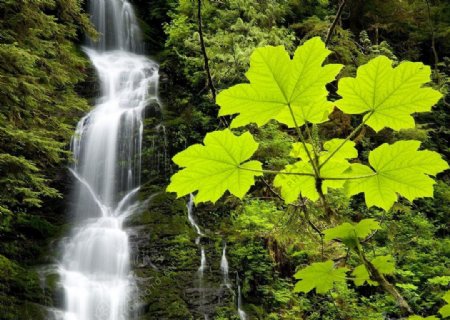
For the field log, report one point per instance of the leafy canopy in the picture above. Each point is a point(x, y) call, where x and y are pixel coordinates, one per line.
point(320, 276)
point(280, 86)
point(388, 96)
point(218, 165)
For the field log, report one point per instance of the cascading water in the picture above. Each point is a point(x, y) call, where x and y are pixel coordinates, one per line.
point(202, 268)
point(241, 312)
point(190, 210)
point(224, 267)
point(107, 150)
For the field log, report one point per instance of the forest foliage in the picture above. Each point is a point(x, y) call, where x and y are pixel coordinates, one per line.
point(41, 72)
point(293, 93)
point(370, 41)
point(40, 67)
point(279, 241)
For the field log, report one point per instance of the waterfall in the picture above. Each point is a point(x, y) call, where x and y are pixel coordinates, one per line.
point(241, 312)
point(107, 144)
point(202, 267)
point(224, 267)
point(190, 210)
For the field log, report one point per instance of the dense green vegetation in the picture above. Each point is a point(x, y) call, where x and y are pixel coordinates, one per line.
point(45, 85)
point(41, 68)
point(413, 30)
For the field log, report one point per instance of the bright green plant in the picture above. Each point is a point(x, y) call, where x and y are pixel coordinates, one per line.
point(445, 310)
point(293, 92)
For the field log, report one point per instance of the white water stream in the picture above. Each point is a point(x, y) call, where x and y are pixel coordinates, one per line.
point(224, 267)
point(241, 312)
point(107, 150)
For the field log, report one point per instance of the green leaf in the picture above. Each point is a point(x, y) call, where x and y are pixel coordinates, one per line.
point(350, 233)
point(400, 169)
point(445, 310)
point(218, 165)
point(388, 95)
point(416, 317)
point(347, 151)
point(361, 275)
point(440, 280)
point(293, 185)
point(407, 286)
point(278, 83)
point(384, 264)
point(319, 275)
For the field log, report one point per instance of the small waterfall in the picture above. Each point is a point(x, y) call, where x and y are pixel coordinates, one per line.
point(107, 147)
point(241, 312)
point(190, 210)
point(202, 267)
point(224, 267)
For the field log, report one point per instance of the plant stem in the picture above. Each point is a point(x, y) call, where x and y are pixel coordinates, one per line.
point(377, 276)
point(303, 141)
point(314, 165)
point(350, 136)
point(351, 178)
point(279, 172)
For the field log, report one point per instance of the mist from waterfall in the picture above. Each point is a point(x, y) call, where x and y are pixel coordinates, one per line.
point(107, 146)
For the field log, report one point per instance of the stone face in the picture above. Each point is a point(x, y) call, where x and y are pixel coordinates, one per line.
point(166, 261)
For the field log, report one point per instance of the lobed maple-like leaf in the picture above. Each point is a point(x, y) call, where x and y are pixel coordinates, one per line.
point(217, 166)
point(319, 275)
point(398, 169)
point(279, 85)
point(388, 96)
point(293, 185)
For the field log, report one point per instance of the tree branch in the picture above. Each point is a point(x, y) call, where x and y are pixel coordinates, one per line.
point(333, 25)
point(377, 276)
point(205, 55)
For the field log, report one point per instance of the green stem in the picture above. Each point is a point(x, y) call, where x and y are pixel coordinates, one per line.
point(303, 141)
point(350, 136)
point(351, 178)
point(316, 169)
point(313, 143)
point(377, 276)
point(279, 172)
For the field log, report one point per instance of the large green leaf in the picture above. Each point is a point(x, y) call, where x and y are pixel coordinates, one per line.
point(388, 95)
point(278, 83)
point(319, 275)
point(218, 165)
point(399, 168)
point(293, 185)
